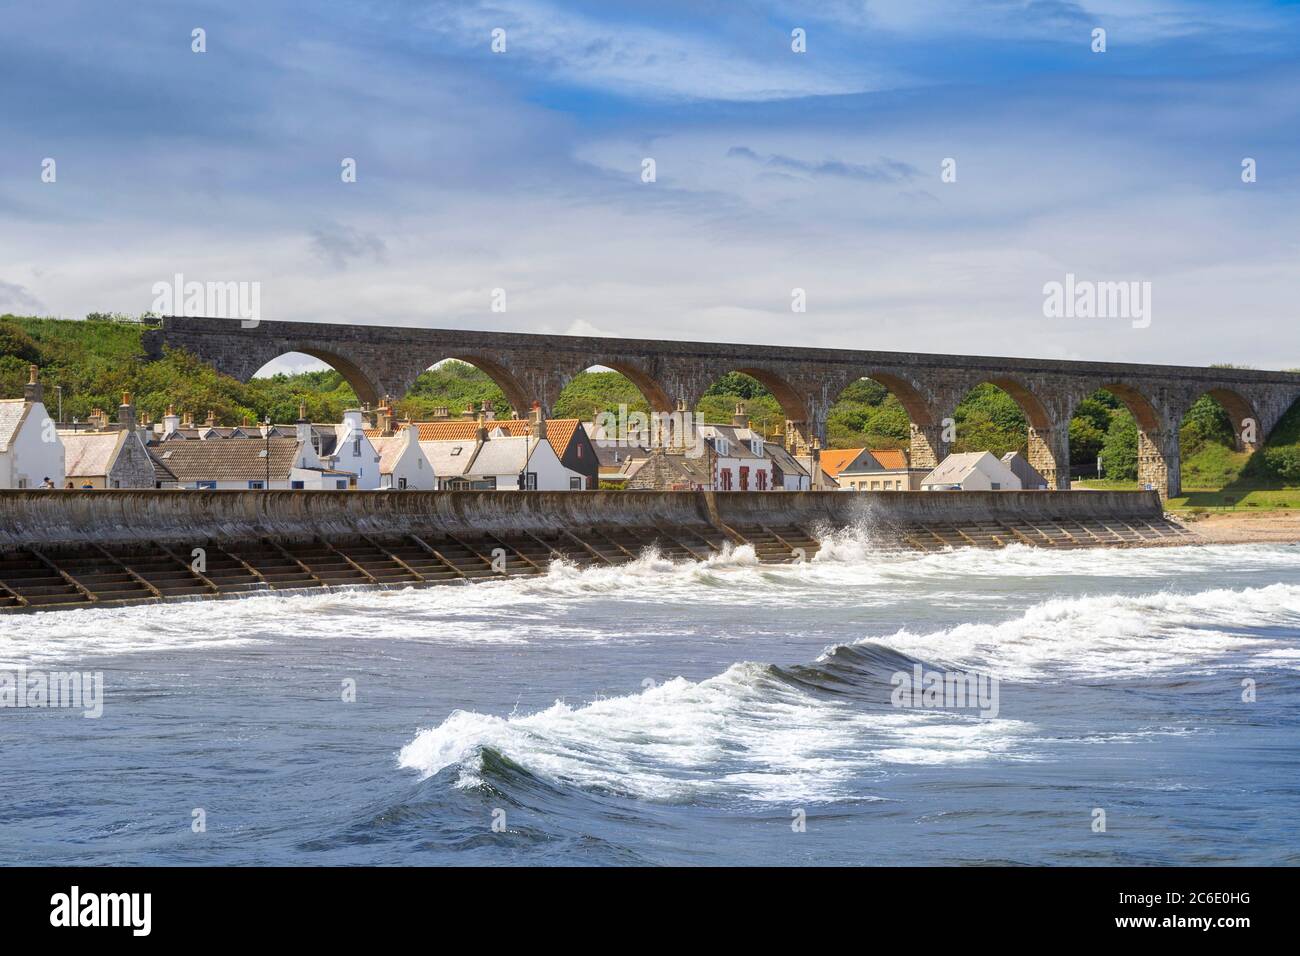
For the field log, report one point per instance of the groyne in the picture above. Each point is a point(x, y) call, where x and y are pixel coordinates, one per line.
point(79, 548)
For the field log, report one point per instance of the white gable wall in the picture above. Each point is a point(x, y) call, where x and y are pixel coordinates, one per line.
point(30, 459)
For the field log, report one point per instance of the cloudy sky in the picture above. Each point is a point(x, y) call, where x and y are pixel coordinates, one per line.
point(775, 170)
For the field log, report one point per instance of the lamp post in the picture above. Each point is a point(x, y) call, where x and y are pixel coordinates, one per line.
point(266, 437)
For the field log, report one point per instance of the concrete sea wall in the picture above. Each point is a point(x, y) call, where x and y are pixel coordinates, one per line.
point(35, 518)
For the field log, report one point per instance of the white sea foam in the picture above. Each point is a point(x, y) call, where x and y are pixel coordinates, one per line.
point(1103, 634)
point(1116, 636)
point(741, 735)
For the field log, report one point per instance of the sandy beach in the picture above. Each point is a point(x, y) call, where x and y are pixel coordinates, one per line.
point(1242, 527)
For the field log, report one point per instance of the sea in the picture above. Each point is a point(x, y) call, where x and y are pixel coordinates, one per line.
point(1126, 707)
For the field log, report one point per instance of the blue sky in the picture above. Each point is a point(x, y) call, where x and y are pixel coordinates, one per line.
point(775, 170)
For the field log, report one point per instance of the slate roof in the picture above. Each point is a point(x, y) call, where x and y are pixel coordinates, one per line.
point(446, 460)
point(87, 454)
point(231, 459)
point(503, 456)
point(12, 413)
point(390, 451)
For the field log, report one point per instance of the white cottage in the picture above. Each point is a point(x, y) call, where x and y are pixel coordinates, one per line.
point(403, 465)
point(31, 451)
point(971, 471)
point(495, 461)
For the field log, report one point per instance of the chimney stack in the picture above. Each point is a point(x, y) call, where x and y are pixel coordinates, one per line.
point(481, 432)
point(35, 391)
point(470, 413)
point(303, 427)
point(126, 412)
point(489, 412)
point(211, 420)
point(441, 413)
point(740, 419)
point(171, 421)
point(538, 421)
point(384, 419)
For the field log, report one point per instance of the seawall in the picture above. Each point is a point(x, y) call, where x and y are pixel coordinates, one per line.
point(48, 518)
point(67, 549)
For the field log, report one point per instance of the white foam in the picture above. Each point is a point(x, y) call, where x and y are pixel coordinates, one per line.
point(1113, 635)
point(743, 735)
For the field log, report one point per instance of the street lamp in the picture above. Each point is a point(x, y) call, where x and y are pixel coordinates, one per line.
point(266, 437)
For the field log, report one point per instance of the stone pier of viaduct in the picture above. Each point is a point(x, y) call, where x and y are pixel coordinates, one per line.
point(381, 361)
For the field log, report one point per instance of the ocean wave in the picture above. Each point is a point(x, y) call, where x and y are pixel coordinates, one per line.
point(1119, 636)
point(751, 733)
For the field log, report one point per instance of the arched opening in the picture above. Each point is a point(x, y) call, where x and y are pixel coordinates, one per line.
point(325, 385)
point(1006, 419)
point(454, 389)
point(611, 389)
point(718, 405)
point(883, 415)
point(1216, 438)
point(773, 408)
point(1116, 442)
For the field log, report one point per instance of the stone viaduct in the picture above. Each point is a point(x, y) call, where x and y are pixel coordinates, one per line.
point(381, 361)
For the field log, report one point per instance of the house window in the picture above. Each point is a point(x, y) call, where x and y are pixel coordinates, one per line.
point(744, 478)
point(530, 481)
point(722, 446)
point(575, 484)
point(356, 448)
point(996, 486)
point(401, 483)
point(116, 483)
point(761, 478)
point(579, 451)
point(256, 486)
point(206, 485)
point(296, 485)
point(341, 484)
point(724, 479)
point(22, 482)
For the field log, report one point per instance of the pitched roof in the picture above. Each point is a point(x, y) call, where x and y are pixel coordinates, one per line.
point(835, 460)
point(390, 449)
point(449, 458)
point(1030, 477)
point(231, 459)
point(891, 459)
point(954, 469)
point(87, 454)
point(503, 456)
point(559, 431)
point(12, 413)
point(782, 459)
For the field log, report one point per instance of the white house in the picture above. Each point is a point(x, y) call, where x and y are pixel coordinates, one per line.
point(353, 452)
point(30, 448)
point(971, 471)
point(497, 461)
point(403, 464)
